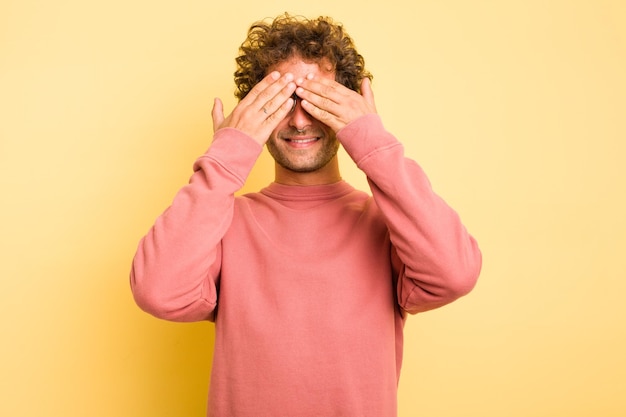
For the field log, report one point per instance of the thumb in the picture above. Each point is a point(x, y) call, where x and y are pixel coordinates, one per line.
point(217, 114)
point(368, 93)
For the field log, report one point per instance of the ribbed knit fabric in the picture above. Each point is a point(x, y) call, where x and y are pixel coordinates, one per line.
point(308, 286)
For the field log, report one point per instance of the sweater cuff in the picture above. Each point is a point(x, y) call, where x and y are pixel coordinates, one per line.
point(233, 150)
point(364, 137)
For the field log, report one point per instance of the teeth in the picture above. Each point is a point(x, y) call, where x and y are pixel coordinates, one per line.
point(303, 140)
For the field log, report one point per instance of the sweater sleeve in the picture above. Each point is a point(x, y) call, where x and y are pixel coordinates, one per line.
point(175, 271)
point(436, 258)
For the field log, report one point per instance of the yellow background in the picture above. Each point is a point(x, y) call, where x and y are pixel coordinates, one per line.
point(516, 109)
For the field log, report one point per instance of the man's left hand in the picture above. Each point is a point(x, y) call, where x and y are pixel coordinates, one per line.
point(334, 104)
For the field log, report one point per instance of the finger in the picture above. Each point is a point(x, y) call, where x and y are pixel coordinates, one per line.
point(324, 88)
point(261, 86)
point(322, 115)
point(321, 106)
point(274, 95)
point(217, 114)
point(262, 131)
point(329, 96)
point(281, 112)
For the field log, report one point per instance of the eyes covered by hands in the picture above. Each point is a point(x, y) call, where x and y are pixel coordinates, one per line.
point(332, 103)
point(274, 97)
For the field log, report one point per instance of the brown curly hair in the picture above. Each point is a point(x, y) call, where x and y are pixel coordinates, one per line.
point(271, 42)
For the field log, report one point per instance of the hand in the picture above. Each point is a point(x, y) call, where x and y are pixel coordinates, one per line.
point(263, 108)
point(334, 104)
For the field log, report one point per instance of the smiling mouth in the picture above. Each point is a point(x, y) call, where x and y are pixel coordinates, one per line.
point(301, 141)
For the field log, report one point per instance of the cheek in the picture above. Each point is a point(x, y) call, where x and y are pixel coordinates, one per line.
point(329, 132)
point(281, 126)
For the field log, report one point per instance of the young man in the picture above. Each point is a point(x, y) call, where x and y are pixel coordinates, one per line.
point(308, 281)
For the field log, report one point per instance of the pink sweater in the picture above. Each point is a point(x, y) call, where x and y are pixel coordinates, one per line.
point(308, 286)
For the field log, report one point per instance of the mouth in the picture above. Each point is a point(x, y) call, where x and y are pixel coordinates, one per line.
point(301, 142)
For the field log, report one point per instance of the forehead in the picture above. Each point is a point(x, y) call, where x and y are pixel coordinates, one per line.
point(301, 68)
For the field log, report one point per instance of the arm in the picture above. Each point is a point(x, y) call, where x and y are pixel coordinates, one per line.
point(437, 260)
point(177, 264)
point(176, 269)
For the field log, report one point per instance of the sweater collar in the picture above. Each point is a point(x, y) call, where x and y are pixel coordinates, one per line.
point(307, 193)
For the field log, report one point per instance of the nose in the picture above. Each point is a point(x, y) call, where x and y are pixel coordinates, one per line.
point(298, 117)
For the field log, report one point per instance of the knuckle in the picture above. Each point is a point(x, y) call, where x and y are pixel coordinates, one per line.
point(321, 114)
point(327, 89)
point(263, 94)
point(326, 102)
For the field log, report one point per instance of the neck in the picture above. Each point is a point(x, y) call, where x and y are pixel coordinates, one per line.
point(329, 174)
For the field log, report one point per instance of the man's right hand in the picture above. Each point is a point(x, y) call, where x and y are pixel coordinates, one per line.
point(263, 108)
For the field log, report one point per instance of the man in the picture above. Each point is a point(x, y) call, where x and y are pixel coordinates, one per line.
point(308, 281)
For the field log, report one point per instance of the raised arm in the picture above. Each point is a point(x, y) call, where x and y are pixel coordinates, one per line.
point(176, 269)
point(436, 258)
point(177, 264)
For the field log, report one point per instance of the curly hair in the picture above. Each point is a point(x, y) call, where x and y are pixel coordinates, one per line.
point(271, 42)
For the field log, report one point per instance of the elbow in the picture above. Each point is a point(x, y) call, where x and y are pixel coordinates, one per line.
point(463, 276)
point(166, 308)
point(163, 302)
point(443, 285)
point(152, 302)
point(460, 284)
point(462, 268)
